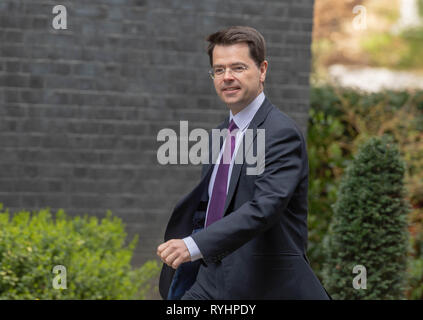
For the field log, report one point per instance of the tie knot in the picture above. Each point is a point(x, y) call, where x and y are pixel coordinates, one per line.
point(232, 126)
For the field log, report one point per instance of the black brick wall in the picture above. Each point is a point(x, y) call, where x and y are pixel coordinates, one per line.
point(80, 108)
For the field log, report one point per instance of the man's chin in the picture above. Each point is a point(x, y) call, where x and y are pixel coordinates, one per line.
point(231, 100)
point(235, 107)
point(231, 103)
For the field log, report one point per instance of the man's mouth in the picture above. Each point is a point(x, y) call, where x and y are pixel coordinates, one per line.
point(231, 89)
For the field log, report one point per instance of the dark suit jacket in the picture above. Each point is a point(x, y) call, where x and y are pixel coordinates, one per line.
point(262, 238)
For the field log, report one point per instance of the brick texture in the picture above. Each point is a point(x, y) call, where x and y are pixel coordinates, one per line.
point(80, 108)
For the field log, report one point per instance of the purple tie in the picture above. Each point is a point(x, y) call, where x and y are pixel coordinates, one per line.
point(218, 198)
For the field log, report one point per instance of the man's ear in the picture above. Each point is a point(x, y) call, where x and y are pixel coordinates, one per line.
point(263, 69)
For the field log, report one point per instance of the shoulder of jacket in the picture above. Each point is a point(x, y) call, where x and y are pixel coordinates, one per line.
point(279, 121)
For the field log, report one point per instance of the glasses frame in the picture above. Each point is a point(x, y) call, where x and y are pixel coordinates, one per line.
point(213, 76)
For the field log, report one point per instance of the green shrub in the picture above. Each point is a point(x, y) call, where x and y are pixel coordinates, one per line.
point(369, 226)
point(326, 161)
point(340, 120)
point(96, 259)
point(415, 272)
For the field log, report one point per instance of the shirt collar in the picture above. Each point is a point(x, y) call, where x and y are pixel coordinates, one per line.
point(244, 117)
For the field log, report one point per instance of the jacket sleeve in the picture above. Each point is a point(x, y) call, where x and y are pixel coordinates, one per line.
point(273, 190)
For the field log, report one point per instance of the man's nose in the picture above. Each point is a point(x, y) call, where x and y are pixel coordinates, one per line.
point(228, 75)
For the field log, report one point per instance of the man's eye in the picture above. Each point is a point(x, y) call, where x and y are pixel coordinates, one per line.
point(238, 69)
point(219, 70)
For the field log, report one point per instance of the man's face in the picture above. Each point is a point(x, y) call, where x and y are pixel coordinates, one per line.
point(237, 90)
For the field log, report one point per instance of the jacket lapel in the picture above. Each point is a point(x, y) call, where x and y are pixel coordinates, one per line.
point(257, 120)
point(236, 169)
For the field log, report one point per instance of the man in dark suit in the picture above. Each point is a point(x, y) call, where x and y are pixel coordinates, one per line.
point(239, 235)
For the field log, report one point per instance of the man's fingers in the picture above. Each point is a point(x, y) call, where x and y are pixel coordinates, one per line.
point(175, 264)
point(173, 253)
point(161, 247)
point(182, 257)
point(170, 254)
point(171, 258)
point(166, 251)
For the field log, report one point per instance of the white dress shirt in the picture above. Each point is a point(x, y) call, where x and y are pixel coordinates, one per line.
point(242, 119)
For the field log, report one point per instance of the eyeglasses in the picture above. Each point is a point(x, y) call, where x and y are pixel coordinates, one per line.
point(217, 72)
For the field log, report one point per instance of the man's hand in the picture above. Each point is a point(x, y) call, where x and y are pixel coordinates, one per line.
point(173, 252)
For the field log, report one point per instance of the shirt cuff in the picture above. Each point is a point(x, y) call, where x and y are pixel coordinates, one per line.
point(193, 249)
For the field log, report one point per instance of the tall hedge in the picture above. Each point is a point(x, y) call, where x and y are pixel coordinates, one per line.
point(369, 226)
point(93, 252)
point(340, 119)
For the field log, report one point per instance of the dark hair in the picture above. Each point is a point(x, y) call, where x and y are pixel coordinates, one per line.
point(237, 34)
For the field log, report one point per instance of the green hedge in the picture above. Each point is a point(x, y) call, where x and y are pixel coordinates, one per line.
point(339, 121)
point(369, 226)
point(94, 253)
